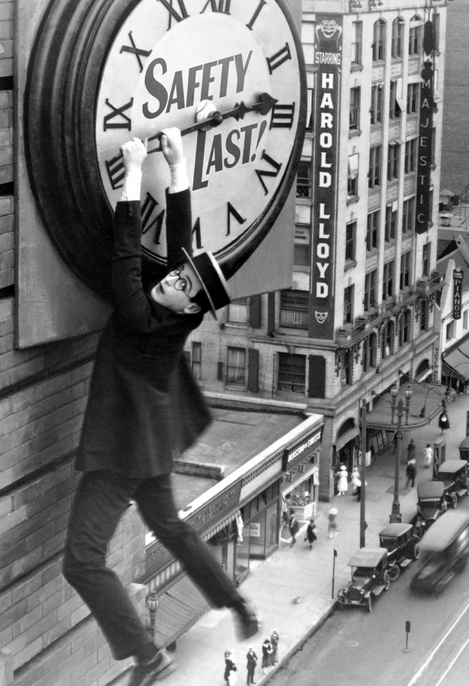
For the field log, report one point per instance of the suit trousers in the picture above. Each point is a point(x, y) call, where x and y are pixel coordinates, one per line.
point(101, 499)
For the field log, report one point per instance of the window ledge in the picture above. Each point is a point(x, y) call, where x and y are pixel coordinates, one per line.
point(356, 67)
point(352, 198)
point(352, 133)
point(350, 264)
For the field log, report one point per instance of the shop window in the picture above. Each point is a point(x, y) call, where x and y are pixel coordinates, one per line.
point(374, 173)
point(303, 180)
point(238, 311)
point(236, 367)
point(291, 372)
point(196, 360)
point(378, 46)
point(354, 112)
point(294, 309)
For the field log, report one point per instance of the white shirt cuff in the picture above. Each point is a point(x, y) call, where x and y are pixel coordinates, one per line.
point(132, 186)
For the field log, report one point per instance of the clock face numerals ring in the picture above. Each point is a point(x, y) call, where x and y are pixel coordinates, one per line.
point(103, 71)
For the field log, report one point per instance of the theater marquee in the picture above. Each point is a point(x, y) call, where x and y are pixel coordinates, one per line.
point(328, 59)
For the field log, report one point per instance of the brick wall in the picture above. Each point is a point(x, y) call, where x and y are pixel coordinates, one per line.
point(46, 634)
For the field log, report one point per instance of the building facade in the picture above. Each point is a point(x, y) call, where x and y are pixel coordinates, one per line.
point(359, 315)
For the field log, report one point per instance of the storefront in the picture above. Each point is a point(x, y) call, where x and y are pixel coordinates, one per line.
point(300, 481)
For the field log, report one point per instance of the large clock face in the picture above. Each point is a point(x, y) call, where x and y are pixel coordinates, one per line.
point(132, 68)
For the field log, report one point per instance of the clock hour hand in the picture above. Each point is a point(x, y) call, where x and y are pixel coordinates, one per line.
point(263, 106)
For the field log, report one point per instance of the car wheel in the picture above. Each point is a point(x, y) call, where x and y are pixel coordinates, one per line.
point(387, 582)
point(454, 500)
point(416, 551)
point(394, 572)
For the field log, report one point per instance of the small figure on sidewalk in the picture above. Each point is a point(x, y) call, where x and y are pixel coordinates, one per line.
point(444, 421)
point(411, 450)
point(251, 658)
point(230, 675)
point(293, 526)
point(332, 525)
point(266, 655)
point(311, 532)
point(411, 472)
point(428, 455)
point(342, 486)
point(355, 481)
point(274, 639)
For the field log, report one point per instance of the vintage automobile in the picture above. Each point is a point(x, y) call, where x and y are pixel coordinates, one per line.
point(431, 502)
point(402, 543)
point(444, 553)
point(369, 577)
point(454, 475)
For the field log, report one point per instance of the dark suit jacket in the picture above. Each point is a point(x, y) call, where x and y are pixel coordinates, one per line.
point(144, 407)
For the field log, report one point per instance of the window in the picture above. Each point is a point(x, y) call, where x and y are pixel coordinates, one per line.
point(348, 305)
point(196, 361)
point(387, 340)
point(393, 161)
point(414, 35)
point(388, 280)
point(302, 246)
point(413, 90)
point(352, 179)
point(236, 367)
point(310, 115)
point(347, 368)
point(374, 174)
point(408, 209)
point(410, 159)
point(369, 352)
point(372, 229)
point(238, 311)
point(397, 36)
point(303, 181)
point(354, 115)
point(404, 331)
point(350, 238)
point(369, 299)
point(465, 319)
point(436, 32)
point(357, 43)
point(395, 95)
point(423, 315)
point(426, 259)
point(294, 309)
point(378, 46)
point(404, 276)
point(376, 109)
point(390, 222)
point(291, 373)
point(450, 330)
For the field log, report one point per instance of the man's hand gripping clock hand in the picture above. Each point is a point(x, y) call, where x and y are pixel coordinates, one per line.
point(134, 153)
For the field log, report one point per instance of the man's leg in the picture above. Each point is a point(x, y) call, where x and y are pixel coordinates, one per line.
point(155, 500)
point(100, 501)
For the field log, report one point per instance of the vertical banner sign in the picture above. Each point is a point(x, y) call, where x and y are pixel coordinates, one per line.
point(425, 142)
point(328, 59)
point(457, 289)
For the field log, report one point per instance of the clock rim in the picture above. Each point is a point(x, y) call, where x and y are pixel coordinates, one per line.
point(63, 77)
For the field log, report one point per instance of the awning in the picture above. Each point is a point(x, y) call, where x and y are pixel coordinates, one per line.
point(179, 609)
point(458, 360)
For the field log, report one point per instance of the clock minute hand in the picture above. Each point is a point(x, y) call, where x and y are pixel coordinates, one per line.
point(263, 106)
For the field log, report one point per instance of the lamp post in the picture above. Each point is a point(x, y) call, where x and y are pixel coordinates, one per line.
point(395, 515)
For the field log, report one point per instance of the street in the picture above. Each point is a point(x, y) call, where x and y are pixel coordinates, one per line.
point(360, 648)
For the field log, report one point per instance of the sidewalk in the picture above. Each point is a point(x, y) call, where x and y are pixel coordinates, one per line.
point(292, 589)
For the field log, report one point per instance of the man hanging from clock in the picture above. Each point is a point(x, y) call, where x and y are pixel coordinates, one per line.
point(144, 409)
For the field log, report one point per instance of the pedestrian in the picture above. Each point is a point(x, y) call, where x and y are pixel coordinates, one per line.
point(428, 455)
point(274, 639)
point(411, 450)
point(293, 526)
point(144, 409)
point(411, 472)
point(444, 421)
point(230, 675)
point(266, 655)
point(332, 523)
point(311, 533)
point(342, 485)
point(355, 480)
point(251, 658)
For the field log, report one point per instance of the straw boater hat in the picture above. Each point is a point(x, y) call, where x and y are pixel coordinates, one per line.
point(212, 279)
